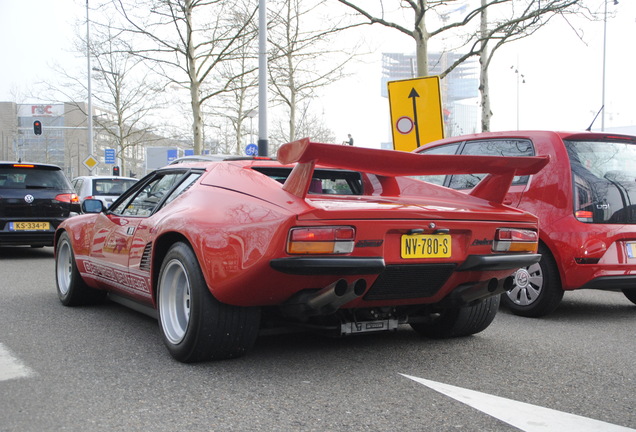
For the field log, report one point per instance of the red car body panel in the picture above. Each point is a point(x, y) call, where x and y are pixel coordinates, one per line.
point(238, 221)
point(587, 255)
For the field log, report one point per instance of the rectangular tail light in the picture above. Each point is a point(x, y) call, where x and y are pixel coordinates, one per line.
point(515, 240)
point(69, 198)
point(321, 240)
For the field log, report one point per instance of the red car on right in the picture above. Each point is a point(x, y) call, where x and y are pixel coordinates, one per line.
point(586, 202)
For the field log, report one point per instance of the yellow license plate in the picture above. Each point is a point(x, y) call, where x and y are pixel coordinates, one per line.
point(426, 246)
point(29, 226)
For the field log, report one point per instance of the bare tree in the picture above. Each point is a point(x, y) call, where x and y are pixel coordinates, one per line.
point(514, 23)
point(308, 125)
point(124, 92)
point(239, 102)
point(187, 40)
point(515, 20)
point(303, 56)
point(237, 105)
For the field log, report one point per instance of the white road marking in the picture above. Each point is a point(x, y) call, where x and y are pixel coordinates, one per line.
point(526, 417)
point(11, 367)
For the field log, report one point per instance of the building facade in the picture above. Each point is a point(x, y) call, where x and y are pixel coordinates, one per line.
point(64, 139)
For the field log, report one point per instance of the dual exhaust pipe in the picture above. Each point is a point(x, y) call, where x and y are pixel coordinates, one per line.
point(468, 293)
point(327, 300)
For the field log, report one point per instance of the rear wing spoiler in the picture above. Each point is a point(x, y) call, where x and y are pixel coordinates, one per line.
point(389, 164)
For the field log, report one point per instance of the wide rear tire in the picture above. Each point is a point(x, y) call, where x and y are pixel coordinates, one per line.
point(194, 325)
point(630, 294)
point(460, 321)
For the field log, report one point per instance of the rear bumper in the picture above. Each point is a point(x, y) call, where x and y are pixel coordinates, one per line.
point(34, 238)
point(345, 266)
point(339, 266)
point(498, 262)
point(27, 238)
point(612, 283)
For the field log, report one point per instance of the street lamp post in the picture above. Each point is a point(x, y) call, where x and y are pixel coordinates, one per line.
point(90, 103)
point(262, 78)
point(604, 57)
point(521, 77)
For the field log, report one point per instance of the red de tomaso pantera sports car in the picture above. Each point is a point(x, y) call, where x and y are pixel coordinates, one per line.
point(330, 237)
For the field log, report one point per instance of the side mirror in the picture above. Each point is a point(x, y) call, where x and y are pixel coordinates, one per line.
point(93, 206)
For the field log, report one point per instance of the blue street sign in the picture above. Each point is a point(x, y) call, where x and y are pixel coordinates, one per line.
point(188, 152)
point(109, 156)
point(172, 154)
point(251, 149)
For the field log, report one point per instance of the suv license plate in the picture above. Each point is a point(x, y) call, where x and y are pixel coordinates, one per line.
point(29, 226)
point(426, 246)
point(631, 249)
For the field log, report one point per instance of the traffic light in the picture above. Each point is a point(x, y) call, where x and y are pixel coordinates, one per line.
point(115, 170)
point(37, 127)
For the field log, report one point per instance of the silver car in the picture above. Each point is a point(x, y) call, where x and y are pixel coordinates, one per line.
point(104, 188)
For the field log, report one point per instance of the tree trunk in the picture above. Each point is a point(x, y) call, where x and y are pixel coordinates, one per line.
point(195, 85)
point(120, 128)
point(484, 91)
point(421, 43)
point(292, 99)
point(197, 121)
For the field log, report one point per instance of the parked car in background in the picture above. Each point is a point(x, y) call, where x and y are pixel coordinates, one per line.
point(34, 200)
point(213, 157)
point(586, 202)
point(328, 238)
point(104, 188)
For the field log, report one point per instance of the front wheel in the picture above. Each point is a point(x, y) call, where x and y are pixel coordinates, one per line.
point(71, 288)
point(194, 325)
point(537, 288)
point(460, 321)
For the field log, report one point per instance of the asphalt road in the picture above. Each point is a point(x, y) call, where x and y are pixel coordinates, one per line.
point(104, 368)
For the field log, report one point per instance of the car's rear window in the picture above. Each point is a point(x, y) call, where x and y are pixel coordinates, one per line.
point(32, 178)
point(603, 174)
point(324, 181)
point(490, 147)
point(495, 147)
point(111, 186)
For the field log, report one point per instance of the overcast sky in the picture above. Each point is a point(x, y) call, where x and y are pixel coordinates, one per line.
point(562, 89)
point(33, 35)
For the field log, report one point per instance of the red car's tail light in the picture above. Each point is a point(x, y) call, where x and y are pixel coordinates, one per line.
point(321, 240)
point(515, 240)
point(582, 200)
point(69, 198)
point(584, 215)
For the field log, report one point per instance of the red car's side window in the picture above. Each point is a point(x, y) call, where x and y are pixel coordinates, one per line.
point(146, 200)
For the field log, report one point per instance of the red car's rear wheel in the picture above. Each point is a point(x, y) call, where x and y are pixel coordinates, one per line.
point(537, 289)
point(460, 321)
point(195, 326)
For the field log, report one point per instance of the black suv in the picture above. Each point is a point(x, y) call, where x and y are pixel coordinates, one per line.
point(34, 199)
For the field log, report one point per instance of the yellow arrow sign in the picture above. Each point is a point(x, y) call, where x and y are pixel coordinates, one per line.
point(416, 112)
